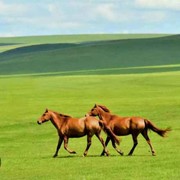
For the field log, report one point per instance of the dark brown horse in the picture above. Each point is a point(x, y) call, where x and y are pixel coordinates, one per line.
point(69, 127)
point(122, 126)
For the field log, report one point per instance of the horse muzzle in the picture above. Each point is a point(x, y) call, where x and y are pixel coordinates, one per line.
point(39, 122)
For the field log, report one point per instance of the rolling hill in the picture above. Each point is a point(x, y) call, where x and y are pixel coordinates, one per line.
point(90, 54)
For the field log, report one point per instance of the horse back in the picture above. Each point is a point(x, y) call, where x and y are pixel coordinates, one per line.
point(125, 125)
point(120, 125)
point(74, 127)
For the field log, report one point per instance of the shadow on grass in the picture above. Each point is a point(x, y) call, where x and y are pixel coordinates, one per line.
point(77, 156)
point(95, 156)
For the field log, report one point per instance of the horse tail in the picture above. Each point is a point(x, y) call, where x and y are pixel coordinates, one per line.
point(109, 132)
point(161, 132)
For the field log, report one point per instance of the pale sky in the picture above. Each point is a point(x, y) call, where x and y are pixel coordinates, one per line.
point(50, 17)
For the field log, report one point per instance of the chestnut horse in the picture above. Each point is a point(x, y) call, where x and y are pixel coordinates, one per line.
point(69, 127)
point(122, 126)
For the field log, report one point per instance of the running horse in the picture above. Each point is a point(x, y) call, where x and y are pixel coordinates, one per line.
point(69, 127)
point(122, 126)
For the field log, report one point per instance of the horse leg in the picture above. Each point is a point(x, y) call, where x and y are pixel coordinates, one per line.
point(118, 150)
point(88, 144)
point(105, 151)
point(58, 147)
point(134, 136)
point(66, 146)
point(145, 135)
point(106, 143)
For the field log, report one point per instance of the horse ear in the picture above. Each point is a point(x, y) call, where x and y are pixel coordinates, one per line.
point(95, 105)
point(46, 110)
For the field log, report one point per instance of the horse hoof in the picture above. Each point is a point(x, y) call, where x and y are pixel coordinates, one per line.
point(104, 153)
point(121, 153)
point(55, 156)
point(73, 152)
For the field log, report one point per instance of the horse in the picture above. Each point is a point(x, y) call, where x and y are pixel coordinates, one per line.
point(122, 126)
point(69, 127)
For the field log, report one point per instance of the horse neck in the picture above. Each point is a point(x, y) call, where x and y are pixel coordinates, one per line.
point(56, 120)
point(105, 116)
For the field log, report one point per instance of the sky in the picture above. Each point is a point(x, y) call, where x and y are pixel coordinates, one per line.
point(51, 17)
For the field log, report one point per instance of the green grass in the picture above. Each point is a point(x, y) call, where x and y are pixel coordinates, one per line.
point(18, 42)
point(133, 75)
point(65, 57)
point(26, 148)
point(4, 41)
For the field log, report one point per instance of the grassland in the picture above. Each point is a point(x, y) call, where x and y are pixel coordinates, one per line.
point(96, 55)
point(147, 89)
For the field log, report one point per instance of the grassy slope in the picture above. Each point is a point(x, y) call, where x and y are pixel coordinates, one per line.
point(68, 57)
point(26, 148)
point(72, 38)
point(16, 42)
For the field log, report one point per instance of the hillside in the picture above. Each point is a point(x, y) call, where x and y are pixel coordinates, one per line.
point(82, 56)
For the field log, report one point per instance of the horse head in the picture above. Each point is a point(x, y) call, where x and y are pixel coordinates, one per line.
point(94, 111)
point(46, 116)
point(97, 109)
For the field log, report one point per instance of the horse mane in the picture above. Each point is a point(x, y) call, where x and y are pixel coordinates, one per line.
point(62, 115)
point(104, 108)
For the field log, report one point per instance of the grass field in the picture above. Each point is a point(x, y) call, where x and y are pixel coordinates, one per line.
point(95, 55)
point(146, 89)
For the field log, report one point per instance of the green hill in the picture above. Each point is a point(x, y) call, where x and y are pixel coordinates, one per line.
point(85, 55)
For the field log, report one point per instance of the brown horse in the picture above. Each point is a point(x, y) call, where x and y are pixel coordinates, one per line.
point(122, 126)
point(69, 127)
